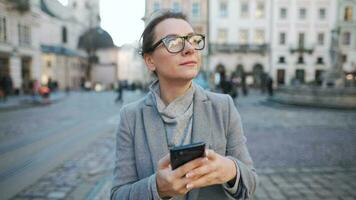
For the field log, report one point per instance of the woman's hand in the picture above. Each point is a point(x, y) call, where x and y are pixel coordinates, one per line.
point(216, 169)
point(170, 182)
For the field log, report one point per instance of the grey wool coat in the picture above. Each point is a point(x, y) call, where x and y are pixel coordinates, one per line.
point(142, 142)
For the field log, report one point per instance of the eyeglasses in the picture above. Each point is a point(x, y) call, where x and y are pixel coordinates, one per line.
point(175, 43)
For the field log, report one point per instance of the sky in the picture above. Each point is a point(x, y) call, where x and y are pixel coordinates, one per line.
point(121, 19)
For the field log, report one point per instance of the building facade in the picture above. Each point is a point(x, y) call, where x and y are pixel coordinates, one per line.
point(239, 38)
point(347, 30)
point(301, 40)
point(19, 44)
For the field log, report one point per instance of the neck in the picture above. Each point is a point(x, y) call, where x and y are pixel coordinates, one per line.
point(170, 91)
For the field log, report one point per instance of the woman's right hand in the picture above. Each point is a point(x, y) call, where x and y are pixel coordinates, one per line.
point(172, 183)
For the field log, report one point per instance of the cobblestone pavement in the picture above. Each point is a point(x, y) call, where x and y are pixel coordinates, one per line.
point(299, 153)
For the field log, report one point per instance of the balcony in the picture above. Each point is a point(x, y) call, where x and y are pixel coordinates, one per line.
point(238, 48)
point(301, 49)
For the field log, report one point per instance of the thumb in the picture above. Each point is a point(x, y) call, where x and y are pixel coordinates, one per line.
point(164, 162)
point(210, 154)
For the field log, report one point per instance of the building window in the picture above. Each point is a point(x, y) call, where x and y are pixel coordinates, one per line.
point(346, 38)
point(24, 34)
point(223, 9)
point(260, 10)
point(320, 38)
point(302, 13)
point(64, 35)
point(301, 38)
point(156, 6)
point(243, 36)
point(196, 9)
point(344, 58)
point(222, 36)
point(282, 38)
point(299, 75)
point(322, 13)
point(348, 13)
point(3, 35)
point(300, 60)
point(281, 59)
point(176, 7)
point(280, 76)
point(283, 13)
point(259, 36)
point(319, 76)
point(244, 9)
point(320, 60)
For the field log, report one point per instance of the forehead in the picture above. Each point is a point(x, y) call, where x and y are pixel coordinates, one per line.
point(173, 26)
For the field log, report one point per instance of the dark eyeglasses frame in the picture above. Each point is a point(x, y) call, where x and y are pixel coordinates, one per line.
point(185, 38)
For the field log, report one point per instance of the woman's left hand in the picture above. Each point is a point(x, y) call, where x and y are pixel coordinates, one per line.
point(216, 169)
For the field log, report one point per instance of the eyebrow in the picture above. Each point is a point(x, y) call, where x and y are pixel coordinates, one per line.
point(173, 34)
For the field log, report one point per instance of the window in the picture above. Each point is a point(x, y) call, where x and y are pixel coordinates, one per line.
point(280, 76)
point(346, 38)
point(156, 6)
point(24, 33)
point(244, 9)
point(176, 7)
point(281, 59)
point(299, 75)
point(222, 36)
point(300, 60)
point(223, 9)
point(302, 13)
point(348, 13)
point(319, 76)
point(320, 60)
point(283, 13)
point(320, 38)
point(282, 38)
point(3, 35)
point(322, 13)
point(64, 34)
point(259, 37)
point(243, 36)
point(196, 9)
point(260, 10)
point(344, 58)
point(301, 38)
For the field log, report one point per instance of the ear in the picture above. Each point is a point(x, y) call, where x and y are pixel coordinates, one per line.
point(149, 62)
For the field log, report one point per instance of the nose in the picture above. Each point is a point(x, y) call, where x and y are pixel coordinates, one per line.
point(188, 48)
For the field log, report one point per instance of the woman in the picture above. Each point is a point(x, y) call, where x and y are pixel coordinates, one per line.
point(176, 112)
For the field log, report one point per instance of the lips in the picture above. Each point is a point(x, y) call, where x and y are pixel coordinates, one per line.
point(189, 63)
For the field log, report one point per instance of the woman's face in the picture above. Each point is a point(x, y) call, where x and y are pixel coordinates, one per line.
point(181, 66)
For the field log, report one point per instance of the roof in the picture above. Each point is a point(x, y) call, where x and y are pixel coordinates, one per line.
point(95, 38)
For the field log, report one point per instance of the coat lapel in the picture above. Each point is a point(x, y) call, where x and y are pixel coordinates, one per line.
point(202, 131)
point(155, 132)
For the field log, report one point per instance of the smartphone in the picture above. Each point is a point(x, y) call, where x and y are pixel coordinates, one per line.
point(185, 153)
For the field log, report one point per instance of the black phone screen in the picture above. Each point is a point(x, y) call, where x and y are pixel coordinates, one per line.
point(185, 153)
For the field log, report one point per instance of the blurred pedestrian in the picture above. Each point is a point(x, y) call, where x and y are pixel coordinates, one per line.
point(177, 111)
point(119, 91)
point(6, 86)
point(244, 85)
point(269, 82)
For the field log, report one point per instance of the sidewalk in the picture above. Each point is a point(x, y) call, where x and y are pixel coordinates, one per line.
point(26, 101)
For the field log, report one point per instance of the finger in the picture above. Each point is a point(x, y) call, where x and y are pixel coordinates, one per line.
point(210, 154)
point(206, 180)
point(182, 170)
point(206, 168)
point(164, 162)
